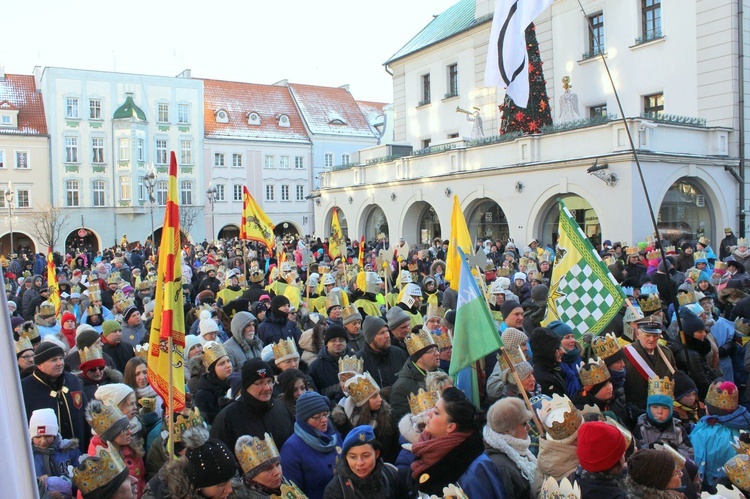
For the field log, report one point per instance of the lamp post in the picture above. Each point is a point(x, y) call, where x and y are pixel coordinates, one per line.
point(211, 196)
point(150, 182)
point(9, 197)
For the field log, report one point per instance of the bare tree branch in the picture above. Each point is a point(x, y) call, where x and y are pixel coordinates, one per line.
point(47, 223)
point(189, 215)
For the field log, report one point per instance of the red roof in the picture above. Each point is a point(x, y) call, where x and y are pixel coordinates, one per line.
point(240, 99)
point(330, 110)
point(19, 91)
point(373, 111)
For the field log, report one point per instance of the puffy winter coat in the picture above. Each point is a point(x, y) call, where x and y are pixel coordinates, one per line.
point(409, 381)
point(273, 329)
point(383, 366)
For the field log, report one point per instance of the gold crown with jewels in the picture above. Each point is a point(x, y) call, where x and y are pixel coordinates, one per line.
point(605, 346)
point(285, 349)
point(442, 339)
point(422, 401)
point(290, 491)
point(650, 303)
point(419, 340)
point(101, 417)
point(97, 471)
point(361, 387)
point(30, 331)
point(593, 372)
point(349, 363)
point(661, 386)
point(726, 399)
point(253, 452)
point(738, 471)
point(90, 353)
point(560, 418)
point(212, 353)
point(185, 421)
point(23, 344)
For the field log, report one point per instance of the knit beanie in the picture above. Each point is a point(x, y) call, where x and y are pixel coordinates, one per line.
point(509, 306)
point(86, 336)
point(652, 468)
point(523, 369)
point(208, 326)
point(113, 393)
point(560, 328)
point(507, 413)
point(396, 316)
point(16, 321)
point(110, 326)
point(544, 343)
point(335, 331)
point(513, 338)
point(277, 302)
point(210, 462)
point(539, 293)
point(309, 404)
point(190, 341)
point(450, 318)
point(371, 326)
point(67, 316)
point(683, 385)
point(253, 370)
point(600, 446)
point(128, 312)
point(47, 350)
point(43, 422)
point(691, 323)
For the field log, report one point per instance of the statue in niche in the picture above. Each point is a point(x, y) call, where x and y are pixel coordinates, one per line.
point(568, 102)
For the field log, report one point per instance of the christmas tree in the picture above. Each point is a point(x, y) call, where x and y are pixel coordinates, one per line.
point(537, 113)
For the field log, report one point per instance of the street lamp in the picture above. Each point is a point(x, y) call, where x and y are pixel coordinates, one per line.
point(9, 197)
point(211, 196)
point(150, 182)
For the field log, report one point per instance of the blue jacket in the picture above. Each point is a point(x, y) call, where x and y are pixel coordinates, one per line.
point(66, 453)
point(712, 438)
point(273, 329)
point(481, 479)
point(310, 469)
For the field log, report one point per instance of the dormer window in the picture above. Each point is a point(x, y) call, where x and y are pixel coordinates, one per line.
point(284, 120)
point(335, 119)
point(253, 118)
point(222, 116)
point(5, 120)
point(8, 115)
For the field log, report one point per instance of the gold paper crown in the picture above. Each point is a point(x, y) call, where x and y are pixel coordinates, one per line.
point(738, 471)
point(90, 353)
point(47, 309)
point(605, 346)
point(348, 311)
point(516, 357)
point(434, 311)
point(349, 363)
point(101, 417)
point(422, 401)
point(98, 471)
point(593, 372)
point(670, 250)
point(361, 387)
point(720, 265)
point(23, 344)
point(442, 339)
point(93, 286)
point(284, 349)
point(452, 491)
point(523, 261)
point(95, 296)
point(608, 260)
point(653, 255)
point(722, 399)
point(650, 303)
point(693, 274)
point(141, 351)
point(503, 272)
point(546, 256)
point(114, 278)
point(118, 296)
point(698, 255)
point(253, 452)
point(185, 421)
point(333, 299)
point(125, 303)
point(632, 251)
point(413, 267)
point(704, 241)
point(93, 310)
point(290, 491)
point(564, 490)
point(560, 418)
point(661, 386)
point(212, 353)
point(419, 340)
point(687, 298)
point(256, 275)
point(741, 443)
point(30, 331)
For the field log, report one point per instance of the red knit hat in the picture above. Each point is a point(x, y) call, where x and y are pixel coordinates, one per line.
point(67, 316)
point(600, 446)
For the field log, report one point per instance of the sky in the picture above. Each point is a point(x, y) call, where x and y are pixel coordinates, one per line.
point(323, 42)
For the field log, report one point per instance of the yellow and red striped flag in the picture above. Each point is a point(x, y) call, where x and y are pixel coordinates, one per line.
point(54, 293)
point(169, 316)
point(336, 245)
point(255, 226)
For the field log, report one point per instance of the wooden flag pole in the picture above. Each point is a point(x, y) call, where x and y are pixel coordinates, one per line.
point(521, 389)
point(170, 403)
point(387, 278)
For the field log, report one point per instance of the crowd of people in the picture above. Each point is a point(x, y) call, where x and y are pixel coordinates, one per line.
point(322, 373)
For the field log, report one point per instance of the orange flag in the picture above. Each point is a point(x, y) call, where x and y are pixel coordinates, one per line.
point(54, 293)
point(169, 316)
point(256, 226)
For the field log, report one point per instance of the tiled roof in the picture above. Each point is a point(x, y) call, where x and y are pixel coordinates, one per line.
point(239, 99)
point(20, 92)
point(330, 110)
point(373, 111)
point(454, 20)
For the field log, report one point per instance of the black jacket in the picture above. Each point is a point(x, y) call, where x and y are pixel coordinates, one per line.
point(120, 354)
point(383, 366)
point(514, 483)
point(409, 381)
point(273, 329)
point(210, 391)
point(325, 373)
point(693, 361)
point(600, 484)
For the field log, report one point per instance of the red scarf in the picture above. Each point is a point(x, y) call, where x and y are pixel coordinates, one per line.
point(428, 450)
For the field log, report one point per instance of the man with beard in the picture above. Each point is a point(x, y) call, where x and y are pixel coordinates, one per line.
point(325, 369)
point(399, 324)
point(381, 359)
point(424, 358)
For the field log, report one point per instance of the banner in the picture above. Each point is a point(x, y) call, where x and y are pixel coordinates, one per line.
point(459, 238)
point(255, 226)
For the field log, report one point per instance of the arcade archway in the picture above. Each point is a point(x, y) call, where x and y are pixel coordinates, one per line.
point(82, 240)
point(229, 232)
point(376, 223)
point(581, 211)
point(22, 243)
point(342, 222)
point(184, 237)
point(421, 224)
point(487, 220)
point(685, 213)
point(286, 230)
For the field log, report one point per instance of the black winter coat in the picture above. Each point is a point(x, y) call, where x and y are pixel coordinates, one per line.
point(694, 363)
point(514, 483)
point(208, 394)
point(549, 377)
point(409, 381)
point(273, 329)
point(325, 373)
point(383, 366)
point(600, 484)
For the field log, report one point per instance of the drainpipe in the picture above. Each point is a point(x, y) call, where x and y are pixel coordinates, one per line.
point(741, 114)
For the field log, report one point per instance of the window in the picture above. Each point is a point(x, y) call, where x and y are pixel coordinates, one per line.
point(71, 149)
point(161, 151)
point(328, 160)
point(163, 112)
point(269, 193)
point(186, 191)
point(2, 197)
point(22, 160)
point(253, 119)
point(141, 189)
point(5, 120)
point(426, 143)
point(285, 193)
point(237, 192)
point(97, 187)
point(599, 110)
point(452, 135)
point(299, 162)
point(218, 159)
point(161, 192)
point(2, 159)
point(345, 159)
point(425, 90)
point(141, 153)
point(186, 152)
point(71, 193)
point(452, 81)
point(222, 116)
point(220, 192)
point(596, 35)
point(123, 146)
point(125, 188)
point(237, 160)
point(97, 149)
point(284, 162)
point(95, 109)
point(71, 107)
point(268, 162)
point(653, 105)
point(651, 22)
point(23, 199)
point(183, 113)
point(300, 193)
point(284, 120)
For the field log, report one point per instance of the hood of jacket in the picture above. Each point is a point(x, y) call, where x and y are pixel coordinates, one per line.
point(556, 459)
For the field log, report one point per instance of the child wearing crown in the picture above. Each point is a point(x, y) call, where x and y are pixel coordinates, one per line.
point(658, 423)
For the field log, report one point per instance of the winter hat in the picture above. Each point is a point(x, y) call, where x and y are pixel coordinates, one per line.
point(396, 316)
point(208, 326)
point(513, 338)
point(277, 302)
point(600, 446)
point(659, 399)
point(356, 316)
point(253, 370)
point(544, 343)
point(205, 296)
point(85, 336)
point(691, 323)
point(16, 321)
point(67, 316)
point(309, 404)
point(190, 341)
point(507, 413)
point(47, 350)
point(43, 422)
point(113, 393)
point(539, 293)
point(361, 435)
point(128, 312)
point(560, 328)
point(652, 468)
point(683, 385)
point(371, 326)
point(110, 326)
point(519, 275)
point(450, 318)
point(523, 369)
point(240, 321)
point(508, 307)
point(210, 462)
point(335, 331)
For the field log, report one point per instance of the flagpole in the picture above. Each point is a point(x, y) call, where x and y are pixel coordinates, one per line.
point(170, 404)
point(387, 278)
point(521, 389)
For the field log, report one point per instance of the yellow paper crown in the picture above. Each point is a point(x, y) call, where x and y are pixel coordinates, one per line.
point(653, 255)
point(290, 491)
point(348, 311)
point(698, 255)
point(185, 421)
point(593, 372)
point(720, 265)
point(93, 286)
point(23, 344)
point(141, 351)
point(97, 471)
point(212, 353)
point(726, 399)
point(349, 363)
point(30, 331)
point(687, 298)
point(254, 452)
point(114, 278)
point(670, 250)
point(93, 310)
point(47, 309)
point(605, 346)
point(434, 311)
point(285, 349)
point(361, 387)
point(608, 260)
point(256, 275)
point(441, 339)
point(661, 386)
point(422, 401)
point(417, 341)
point(631, 250)
point(90, 353)
point(738, 471)
point(101, 417)
point(560, 418)
point(649, 303)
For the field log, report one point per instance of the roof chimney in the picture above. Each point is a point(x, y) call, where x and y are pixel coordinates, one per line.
point(345, 87)
point(187, 74)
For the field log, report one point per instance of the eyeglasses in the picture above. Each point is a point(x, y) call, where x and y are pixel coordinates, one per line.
point(264, 382)
point(28, 356)
point(318, 417)
point(99, 369)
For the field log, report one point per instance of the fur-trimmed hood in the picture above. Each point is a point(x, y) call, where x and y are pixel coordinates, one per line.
point(408, 426)
point(638, 491)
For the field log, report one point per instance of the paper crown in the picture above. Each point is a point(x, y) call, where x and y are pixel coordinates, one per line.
point(632, 314)
point(560, 418)
point(97, 471)
point(726, 399)
point(47, 309)
point(661, 386)
point(290, 491)
point(417, 341)
point(23, 344)
point(516, 357)
point(693, 274)
point(441, 339)
point(348, 311)
point(670, 250)
point(563, 490)
point(698, 255)
point(704, 241)
point(93, 310)
point(653, 255)
point(333, 299)
point(141, 351)
point(503, 272)
point(30, 331)
point(93, 287)
point(679, 459)
point(90, 353)
point(738, 471)
point(114, 278)
point(212, 353)
point(351, 363)
point(361, 387)
point(625, 432)
point(687, 298)
point(101, 417)
point(422, 401)
point(593, 372)
point(452, 491)
point(720, 265)
point(186, 420)
point(632, 251)
point(254, 452)
point(649, 303)
point(605, 346)
point(412, 266)
point(285, 349)
point(256, 275)
point(546, 256)
point(608, 260)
